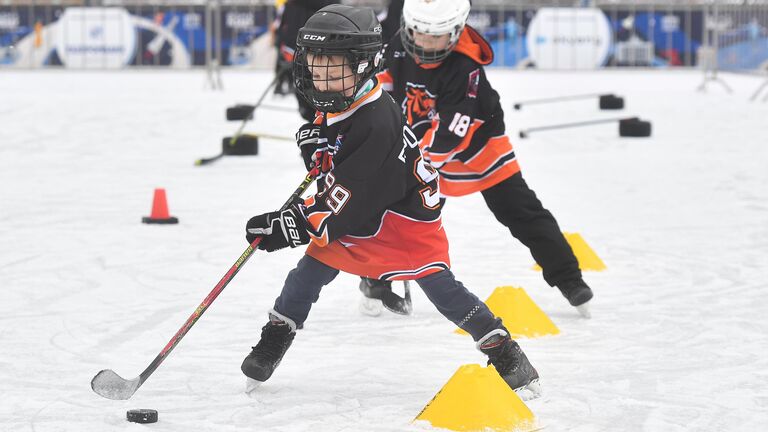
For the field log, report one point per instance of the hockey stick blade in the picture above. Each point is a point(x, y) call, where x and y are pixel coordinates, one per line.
point(110, 385)
point(206, 161)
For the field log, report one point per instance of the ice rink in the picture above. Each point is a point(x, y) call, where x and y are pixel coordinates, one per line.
point(678, 339)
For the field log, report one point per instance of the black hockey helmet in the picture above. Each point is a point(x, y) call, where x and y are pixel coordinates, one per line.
point(354, 34)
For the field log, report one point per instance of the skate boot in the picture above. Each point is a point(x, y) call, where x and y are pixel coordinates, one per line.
point(276, 337)
point(578, 294)
point(377, 294)
point(511, 363)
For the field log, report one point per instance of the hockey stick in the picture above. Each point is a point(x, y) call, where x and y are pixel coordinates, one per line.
point(608, 101)
point(525, 132)
point(110, 385)
point(519, 105)
point(274, 137)
point(628, 126)
point(239, 132)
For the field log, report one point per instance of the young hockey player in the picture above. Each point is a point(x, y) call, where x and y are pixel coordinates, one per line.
point(434, 70)
point(377, 210)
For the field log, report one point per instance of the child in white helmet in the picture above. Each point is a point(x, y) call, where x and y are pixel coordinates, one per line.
point(434, 70)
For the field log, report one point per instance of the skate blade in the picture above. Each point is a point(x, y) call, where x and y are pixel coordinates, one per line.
point(251, 387)
point(371, 307)
point(530, 391)
point(584, 310)
point(398, 306)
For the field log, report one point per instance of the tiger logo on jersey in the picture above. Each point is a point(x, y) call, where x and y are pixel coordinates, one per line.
point(418, 105)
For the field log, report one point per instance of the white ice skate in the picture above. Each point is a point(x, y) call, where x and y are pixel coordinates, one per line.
point(530, 391)
point(584, 310)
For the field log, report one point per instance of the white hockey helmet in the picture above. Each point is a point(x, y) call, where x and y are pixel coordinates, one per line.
point(432, 17)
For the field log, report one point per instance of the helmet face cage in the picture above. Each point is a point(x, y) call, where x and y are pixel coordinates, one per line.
point(330, 79)
point(419, 53)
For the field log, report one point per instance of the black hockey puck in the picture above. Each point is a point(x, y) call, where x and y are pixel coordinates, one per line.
point(634, 127)
point(240, 112)
point(141, 416)
point(611, 102)
point(245, 145)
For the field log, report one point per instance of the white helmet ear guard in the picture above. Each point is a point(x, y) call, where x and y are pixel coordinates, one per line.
point(432, 17)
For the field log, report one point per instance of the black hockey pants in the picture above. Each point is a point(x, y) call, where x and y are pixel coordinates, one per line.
point(515, 205)
point(303, 284)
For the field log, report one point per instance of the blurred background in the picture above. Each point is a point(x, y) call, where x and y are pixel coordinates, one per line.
point(562, 34)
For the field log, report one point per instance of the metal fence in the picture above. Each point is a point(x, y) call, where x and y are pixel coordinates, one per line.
point(551, 34)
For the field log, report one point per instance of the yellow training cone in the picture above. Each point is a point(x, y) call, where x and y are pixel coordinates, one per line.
point(522, 317)
point(588, 259)
point(476, 398)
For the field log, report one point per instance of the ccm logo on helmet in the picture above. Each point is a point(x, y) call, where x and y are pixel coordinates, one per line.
point(314, 37)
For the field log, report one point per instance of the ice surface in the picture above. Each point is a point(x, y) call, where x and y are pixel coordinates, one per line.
point(679, 335)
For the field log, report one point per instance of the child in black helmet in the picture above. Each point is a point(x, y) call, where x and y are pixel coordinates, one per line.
point(377, 209)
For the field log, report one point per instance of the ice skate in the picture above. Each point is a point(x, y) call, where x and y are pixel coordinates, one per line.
point(276, 337)
point(371, 306)
point(511, 363)
point(578, 294)
point(251, 387)
point(378, 294)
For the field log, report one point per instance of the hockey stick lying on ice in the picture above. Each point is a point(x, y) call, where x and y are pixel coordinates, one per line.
point(239, 132)
point(112, 386)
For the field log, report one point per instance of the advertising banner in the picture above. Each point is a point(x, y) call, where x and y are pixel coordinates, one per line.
point(101, 38)
point(569, 38)
point(522, 37)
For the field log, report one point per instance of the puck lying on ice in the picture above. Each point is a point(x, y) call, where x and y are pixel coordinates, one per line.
point(611, 102)
point(244, 145)
point(240, 112)
point(634, 127)
point(141, 415)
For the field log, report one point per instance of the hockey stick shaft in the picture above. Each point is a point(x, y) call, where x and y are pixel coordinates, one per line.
point(518, 105)
point(115, 387)
point(239, 132)
point(273, 137)
point(524, 133)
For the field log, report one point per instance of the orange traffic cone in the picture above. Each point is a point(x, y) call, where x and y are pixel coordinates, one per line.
point(160, 210)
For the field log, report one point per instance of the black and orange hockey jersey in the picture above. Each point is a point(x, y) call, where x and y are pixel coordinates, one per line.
point(455, 112)
point(377, 212)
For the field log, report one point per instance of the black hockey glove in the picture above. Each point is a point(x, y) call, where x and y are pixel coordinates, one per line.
point(278, 229)
point(317, 154)
point(307, 139)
